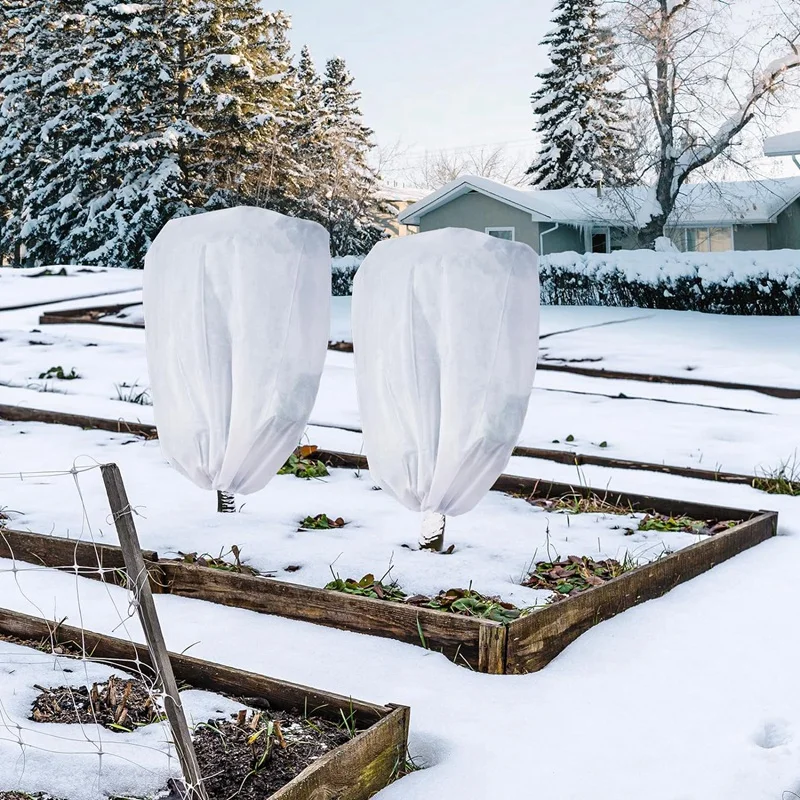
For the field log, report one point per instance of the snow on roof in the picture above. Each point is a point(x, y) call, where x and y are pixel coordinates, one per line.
point(401, 193)
point(747, 202)
point(786, 144)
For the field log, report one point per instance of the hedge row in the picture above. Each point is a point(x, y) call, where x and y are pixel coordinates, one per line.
point(755, 282)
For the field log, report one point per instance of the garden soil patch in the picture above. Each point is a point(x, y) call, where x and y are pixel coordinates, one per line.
point(250, 759)
point(120, 705)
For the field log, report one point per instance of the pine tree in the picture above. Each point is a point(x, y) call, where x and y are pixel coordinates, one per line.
point(308, 134)
point(120, 175)
point(580, 117)
point(39, 82)
point(230, 72)
point(350, 185)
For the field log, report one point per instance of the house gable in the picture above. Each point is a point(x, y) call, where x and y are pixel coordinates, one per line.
point(478, 212)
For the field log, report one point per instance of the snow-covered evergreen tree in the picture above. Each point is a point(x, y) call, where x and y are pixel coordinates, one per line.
point(112, 190)
point(232, 100)
point(580, 117)
point(39, 120)
point(350, 185)
point(308, 135)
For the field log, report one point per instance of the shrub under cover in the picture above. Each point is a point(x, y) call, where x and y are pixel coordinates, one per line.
point(744, 282)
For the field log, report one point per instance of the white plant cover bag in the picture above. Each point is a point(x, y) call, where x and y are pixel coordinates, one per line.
point(237, 317)
point(445, 333)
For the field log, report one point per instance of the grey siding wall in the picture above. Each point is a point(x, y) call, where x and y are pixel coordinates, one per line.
point(786, 231)
point(478, 212)
point(563, 239)
point(751, 237)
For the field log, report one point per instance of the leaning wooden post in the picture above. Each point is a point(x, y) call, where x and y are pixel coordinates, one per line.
point(140, 585)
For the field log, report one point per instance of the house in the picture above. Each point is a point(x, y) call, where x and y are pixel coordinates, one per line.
point(398, 199)
point(744, 215)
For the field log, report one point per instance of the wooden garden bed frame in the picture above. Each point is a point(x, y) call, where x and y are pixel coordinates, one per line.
point(524, 645)
point(20, 413)
point(356, 770)
point(93, 314)
point(70, 316)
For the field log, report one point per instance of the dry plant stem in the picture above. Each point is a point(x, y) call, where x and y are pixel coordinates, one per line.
point(139, 584)
point(431, 536)
point(226, 503)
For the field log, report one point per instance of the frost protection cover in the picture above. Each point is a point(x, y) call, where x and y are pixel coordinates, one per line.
point(445, 333)
point(237, 316)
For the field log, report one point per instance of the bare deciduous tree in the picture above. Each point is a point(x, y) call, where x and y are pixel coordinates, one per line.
point(700, 72)
point(437, 168)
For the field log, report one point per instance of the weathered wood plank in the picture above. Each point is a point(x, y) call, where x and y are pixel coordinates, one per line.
point(773, 391)
point(89, 559)
point(455, 636)
point(359, 462)
point(541, 489)
point(359, 768)
point(25, 414)
point(200, 674)
point(535, 640)
point(355, 771)
point(492, 649)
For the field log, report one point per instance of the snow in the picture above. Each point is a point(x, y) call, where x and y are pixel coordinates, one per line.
point(746, 202)
point(81, 762)
point(651, 267)
point(692, 696)
point(21, 286)
point(785, 144)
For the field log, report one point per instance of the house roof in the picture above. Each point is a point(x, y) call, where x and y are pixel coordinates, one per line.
point(404, 194)
point(785, 144)
point(741, 202)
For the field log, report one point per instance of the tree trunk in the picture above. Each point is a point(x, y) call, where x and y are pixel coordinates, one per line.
point(646, 236)
point(226, 503)
point(431, 536)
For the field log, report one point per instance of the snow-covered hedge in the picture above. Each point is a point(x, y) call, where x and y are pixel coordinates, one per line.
point(746, 282)
point(343, 270)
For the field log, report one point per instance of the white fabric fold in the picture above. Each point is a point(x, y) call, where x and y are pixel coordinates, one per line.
point(237, 316)
point(445, 333)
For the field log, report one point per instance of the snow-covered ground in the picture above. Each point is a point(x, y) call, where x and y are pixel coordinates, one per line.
point(699, 426)
point(22, 286)
point(82, 760)
point(692, 696)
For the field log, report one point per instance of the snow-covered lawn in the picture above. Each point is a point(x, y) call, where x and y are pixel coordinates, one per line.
point(691, 697)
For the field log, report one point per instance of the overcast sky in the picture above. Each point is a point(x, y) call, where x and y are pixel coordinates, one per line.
point(436, 74)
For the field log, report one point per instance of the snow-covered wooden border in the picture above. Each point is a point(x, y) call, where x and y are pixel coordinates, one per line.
point(356, 770)
point(524, 645)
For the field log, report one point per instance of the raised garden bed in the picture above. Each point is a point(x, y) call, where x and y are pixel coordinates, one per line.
point(70, 316)
point(591, 592)
point(25, 414)
point(364, 745)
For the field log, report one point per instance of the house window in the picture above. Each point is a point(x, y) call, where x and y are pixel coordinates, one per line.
point(501, 233)
point(601, 240)
point(702, 239)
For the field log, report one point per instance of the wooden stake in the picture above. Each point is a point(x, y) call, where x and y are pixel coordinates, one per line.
point(139, 583)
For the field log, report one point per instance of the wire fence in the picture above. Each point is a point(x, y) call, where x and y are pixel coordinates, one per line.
point(64, 719)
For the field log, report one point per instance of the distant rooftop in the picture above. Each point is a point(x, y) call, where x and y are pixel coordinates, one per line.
point(745, 202)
